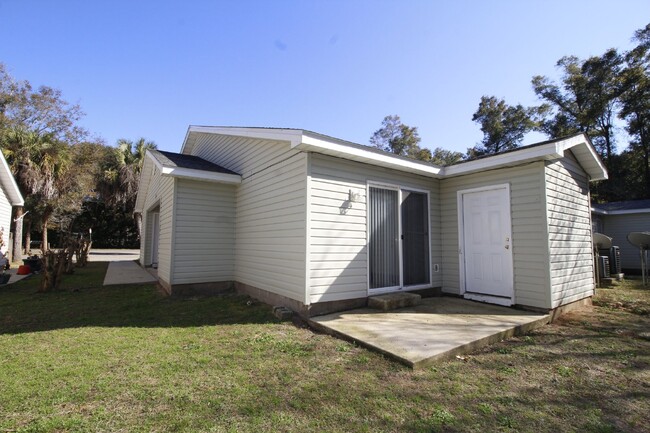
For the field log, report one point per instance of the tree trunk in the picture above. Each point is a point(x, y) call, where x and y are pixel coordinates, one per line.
point(28, 234)
point(46, 219)
point(138, 224)
point(18, 235)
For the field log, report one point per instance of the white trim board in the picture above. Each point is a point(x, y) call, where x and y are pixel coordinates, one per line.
point(309, 141)
point(618, 212)
point(194, 174)
point(461, 243)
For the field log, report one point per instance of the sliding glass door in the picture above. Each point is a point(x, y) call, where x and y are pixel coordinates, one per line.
point(383, 244)
point(398, 243)
point(415, 238)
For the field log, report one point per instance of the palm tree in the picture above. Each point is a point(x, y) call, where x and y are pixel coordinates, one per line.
point(41, 166)
point(21, 148)
point(54, 163)
point(119, 177)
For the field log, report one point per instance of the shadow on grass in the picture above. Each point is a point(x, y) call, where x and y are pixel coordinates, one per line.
point(82, 301)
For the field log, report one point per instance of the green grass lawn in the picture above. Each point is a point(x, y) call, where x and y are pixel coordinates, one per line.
point(124, 358)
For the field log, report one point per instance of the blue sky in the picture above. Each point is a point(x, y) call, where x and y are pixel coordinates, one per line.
point(151, 68)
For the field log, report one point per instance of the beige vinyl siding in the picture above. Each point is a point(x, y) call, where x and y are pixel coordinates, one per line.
point(204, 232)
point(160, 193)
point(270, 210)
point(338, 267)
point(529, 238)
point(5, 219)
point(618, 227)
point(270, 228)
point(242, 155)
point(569, 228)
point(165, 248)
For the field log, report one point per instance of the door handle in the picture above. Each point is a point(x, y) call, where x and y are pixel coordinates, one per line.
point(507, 247)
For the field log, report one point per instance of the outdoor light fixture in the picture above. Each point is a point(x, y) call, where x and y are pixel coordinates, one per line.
point(354, 196)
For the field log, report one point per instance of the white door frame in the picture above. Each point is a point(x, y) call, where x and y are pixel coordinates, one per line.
point(399, 189)
point(461, 246)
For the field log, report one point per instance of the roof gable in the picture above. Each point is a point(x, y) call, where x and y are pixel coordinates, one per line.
point(178, 160)
point(9, 184)
point(579, 144)
point(179, 166)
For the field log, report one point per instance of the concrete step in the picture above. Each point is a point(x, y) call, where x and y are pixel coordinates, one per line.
point(392, 301)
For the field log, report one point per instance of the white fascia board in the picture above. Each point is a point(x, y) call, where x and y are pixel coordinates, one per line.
point(619, 212)
point(191, 173)
point(209, 176)
point(310, 143)
point(600, 173)
point(157, 163)
point(547, 151)
point(291, 135)
point(550, 151)
point(145, 178)
point(12, 188)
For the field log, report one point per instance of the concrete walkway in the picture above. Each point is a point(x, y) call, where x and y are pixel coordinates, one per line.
point(439, 328)
point(127, 272)
point(14, 277)
point(113, 255)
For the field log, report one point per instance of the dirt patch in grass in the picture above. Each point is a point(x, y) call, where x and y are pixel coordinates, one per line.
point(125, 358)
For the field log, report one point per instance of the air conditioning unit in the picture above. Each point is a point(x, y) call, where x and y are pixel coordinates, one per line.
point(603, 267)
point(614, 256)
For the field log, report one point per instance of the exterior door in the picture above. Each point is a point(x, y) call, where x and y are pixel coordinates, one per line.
point(486, 247)
point(415, 238)
point(383, 239)
point(155, 235)
point(398, 239)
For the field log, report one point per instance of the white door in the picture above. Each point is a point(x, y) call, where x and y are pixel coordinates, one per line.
point(486, 247)
point(155, 234)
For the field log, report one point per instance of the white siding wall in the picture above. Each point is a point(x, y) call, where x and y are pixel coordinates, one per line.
point(618, 227)
point(204, 232)
point(338, 258)
point(5, 218)
point(161, 190)
point(270, 219)
point(569, 227)
point(529, 237)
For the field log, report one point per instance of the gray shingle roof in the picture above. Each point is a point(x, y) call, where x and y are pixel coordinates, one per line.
point(623, 205)
point(171, 159)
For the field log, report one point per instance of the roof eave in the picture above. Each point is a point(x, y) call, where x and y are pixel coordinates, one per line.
point(580, 144)
point(145, 174)
point(291, 135)
point(618, 212)
point(10, 185)
point(334, 147)
point(200, 175)
point(586, 154)
point(194, 174)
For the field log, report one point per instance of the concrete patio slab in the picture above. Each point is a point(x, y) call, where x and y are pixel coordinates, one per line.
point(439, 328)
point(113, 255)
point(126, 272)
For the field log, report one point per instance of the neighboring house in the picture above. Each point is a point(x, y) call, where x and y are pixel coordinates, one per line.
point(617, 220)
point(9, 196)
point(318, 224)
